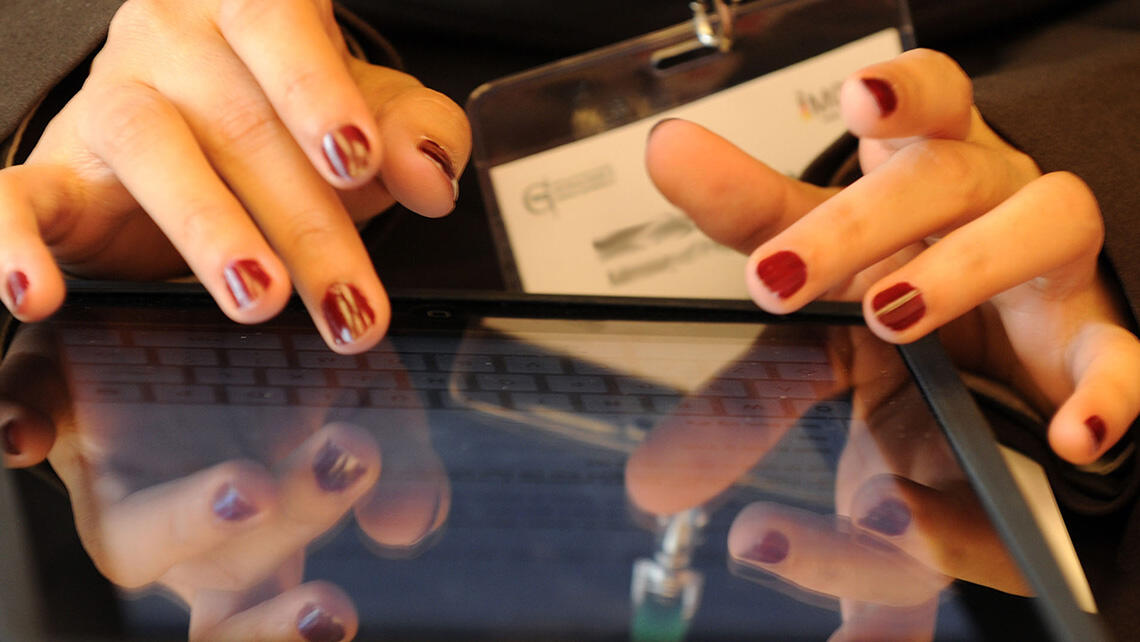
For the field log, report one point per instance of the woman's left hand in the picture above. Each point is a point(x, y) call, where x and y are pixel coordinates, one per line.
point(948, 221)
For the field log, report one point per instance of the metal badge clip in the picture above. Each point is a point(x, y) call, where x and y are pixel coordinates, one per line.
point(712, 21)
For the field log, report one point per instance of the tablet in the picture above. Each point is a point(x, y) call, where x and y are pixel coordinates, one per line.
point(517, 467)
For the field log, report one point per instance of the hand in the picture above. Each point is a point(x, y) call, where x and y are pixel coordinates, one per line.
point(236, 138)
point(948, 221)
point(218, 503)
point(890, 541)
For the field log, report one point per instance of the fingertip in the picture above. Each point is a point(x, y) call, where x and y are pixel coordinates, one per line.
point(865, 101)
point(774, 278)
point(255, 288)
point(351, 320)
point(26, 437)
point(895, 313)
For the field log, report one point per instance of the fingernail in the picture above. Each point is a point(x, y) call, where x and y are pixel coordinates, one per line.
point(17, 289)
point(773, 548)
point(890, 517)
point(347, 313)
point(247, 281)
point(317, 626)
point(883, 94)
point(346, 151)
point(1097, 429)
point(658, 124)
point(336, 469)
point(231, 505)
point(438, 155)
point(784, 273)
point(8, 437)
point(899, 306)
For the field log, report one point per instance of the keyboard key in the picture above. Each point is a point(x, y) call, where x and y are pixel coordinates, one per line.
point(396, 399)
point(187, 357)
point(257, 358)
point(91, 337)
point(206, 339)
point(576, 383)
point(327, 397)
point(506, 382)
point(534, 365)
point(612, 403)
point(295, 377)
point(776, 389)
point(224, 375)
point(390, 361)
point(804, 371)
point(834, 408)
point(468, 398)
point(750, 407)
point(725, 388)
point(684, 406)
point(105, 354)
point(257, 395)
point(108, 392)
point(165, 393)
point(553, 401)
point(464, 363)
point(326, 359)
point(435, 381)
point(633, 386)
point(365, 379)
point(117, 373)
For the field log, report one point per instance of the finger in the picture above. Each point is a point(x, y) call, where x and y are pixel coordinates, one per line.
point(408, 506)
point(144, 139)
point(822, 555)
point(919, 93)
point(945, 529)
point(26, 436)
point(920, 191)
point(34, 396)
point(328, 473)
point(287, 48)
point(1050, 229)
point(427, 142)
point(32, 283)
point(135, 539)
point(868, 622)
point(302, 218)
point(1106, 399)
point(311, 611)
point(734, 199)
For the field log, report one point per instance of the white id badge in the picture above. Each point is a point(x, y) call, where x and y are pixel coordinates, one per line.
point(560, 149)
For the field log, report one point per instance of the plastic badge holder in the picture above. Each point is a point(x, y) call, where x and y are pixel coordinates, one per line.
point(560, 149)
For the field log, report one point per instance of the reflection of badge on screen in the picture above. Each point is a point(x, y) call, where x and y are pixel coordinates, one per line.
point(560, 149)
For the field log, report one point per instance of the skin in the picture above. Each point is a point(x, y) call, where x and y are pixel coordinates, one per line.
point(197, 142)
point(1005, 258)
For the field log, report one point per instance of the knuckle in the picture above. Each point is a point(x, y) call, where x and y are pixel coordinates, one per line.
point(245, 126)
point(236, 17)
point(301, 85)
point(134, 16)
point(125, 119)
point(951, 166)
point(1073, 197)
point(307, 231)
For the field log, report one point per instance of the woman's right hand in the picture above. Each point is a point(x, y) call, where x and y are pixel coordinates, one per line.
point(237, 139)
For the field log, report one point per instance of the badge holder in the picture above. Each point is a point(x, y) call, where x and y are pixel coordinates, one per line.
point(560, 149)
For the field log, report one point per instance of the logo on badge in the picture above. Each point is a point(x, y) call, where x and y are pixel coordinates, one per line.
point(819, 105)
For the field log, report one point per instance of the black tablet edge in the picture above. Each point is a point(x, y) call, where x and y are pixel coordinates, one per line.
point(528, 304)
point(976, 447)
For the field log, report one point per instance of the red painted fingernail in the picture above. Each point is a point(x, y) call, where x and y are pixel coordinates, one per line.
point(317, 626)
point(772, 549)
point(8, 438)
point(889, 517)
point(783, 273)
point(439, 156)
point(346, 151)
point(884, 95)
point(1097, 429)
point(247, 281)
point(899, 306)
point(347, 312)
point(17, 289)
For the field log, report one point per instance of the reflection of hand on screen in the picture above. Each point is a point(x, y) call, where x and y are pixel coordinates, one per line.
point(218, 505)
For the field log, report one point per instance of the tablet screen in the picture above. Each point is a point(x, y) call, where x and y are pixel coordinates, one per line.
point(487, 475)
